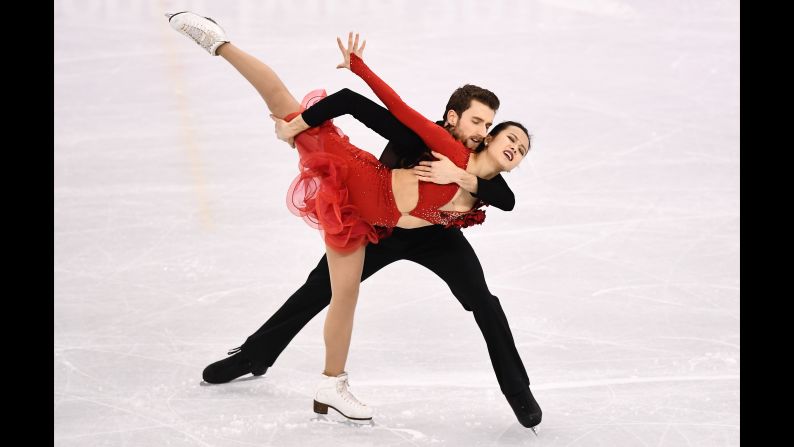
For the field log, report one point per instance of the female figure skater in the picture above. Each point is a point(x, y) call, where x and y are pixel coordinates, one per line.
point(349, 195)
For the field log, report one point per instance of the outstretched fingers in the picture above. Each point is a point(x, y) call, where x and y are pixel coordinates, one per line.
point(352, 48)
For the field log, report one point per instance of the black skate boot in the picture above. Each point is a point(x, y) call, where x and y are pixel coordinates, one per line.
point(526, 409)
point(231, 368)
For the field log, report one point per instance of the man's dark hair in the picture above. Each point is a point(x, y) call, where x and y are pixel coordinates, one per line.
point(459, 102)
point(462, 97)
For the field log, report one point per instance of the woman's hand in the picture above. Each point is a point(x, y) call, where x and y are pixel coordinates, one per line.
point(352, 47)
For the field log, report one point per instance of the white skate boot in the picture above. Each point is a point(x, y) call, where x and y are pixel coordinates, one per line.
point(202, 30)
point(333, 392)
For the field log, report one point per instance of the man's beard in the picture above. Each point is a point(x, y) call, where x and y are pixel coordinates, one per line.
point(468, 142)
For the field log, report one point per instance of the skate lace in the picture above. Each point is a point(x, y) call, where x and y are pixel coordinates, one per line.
point(200, 36)
point(342, 389)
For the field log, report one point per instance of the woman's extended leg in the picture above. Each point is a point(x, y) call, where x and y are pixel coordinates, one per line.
point(263, 78)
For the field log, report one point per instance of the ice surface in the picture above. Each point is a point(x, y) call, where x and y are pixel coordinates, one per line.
point(618, 269)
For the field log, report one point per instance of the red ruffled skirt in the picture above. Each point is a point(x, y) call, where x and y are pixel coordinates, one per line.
point(341, 190)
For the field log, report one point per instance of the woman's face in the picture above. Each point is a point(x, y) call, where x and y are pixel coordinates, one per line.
point(509, 147)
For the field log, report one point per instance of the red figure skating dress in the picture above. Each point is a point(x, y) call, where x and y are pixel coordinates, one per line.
point(346, 192)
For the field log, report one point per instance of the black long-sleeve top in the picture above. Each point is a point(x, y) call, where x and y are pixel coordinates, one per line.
point(405, 148)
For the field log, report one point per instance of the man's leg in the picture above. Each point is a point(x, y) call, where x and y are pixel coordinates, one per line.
point(263, 347)
point(448, 254)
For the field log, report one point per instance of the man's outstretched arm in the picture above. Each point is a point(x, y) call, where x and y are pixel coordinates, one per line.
point(347, 102)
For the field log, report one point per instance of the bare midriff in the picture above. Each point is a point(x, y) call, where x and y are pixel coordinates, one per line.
point(405, 187)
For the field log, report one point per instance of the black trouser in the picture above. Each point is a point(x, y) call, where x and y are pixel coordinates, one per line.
point(448, 254)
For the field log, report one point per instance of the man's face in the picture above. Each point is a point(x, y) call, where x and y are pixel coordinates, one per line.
point(471, 127)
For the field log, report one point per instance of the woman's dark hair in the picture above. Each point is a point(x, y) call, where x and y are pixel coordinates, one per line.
point(497, 129)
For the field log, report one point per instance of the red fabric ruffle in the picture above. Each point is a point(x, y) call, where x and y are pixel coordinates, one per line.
point(464, 220)
point(319, 194)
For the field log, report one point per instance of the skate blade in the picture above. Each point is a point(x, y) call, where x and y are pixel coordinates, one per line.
point(339, 419)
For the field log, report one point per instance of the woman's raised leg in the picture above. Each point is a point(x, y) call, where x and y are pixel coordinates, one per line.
point(210, 36)
point(270, 87)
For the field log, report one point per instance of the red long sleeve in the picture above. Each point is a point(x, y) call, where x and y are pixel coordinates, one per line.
point(434, 136)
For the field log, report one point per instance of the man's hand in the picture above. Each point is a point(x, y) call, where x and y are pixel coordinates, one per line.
point(284, 131)
point(443, 171)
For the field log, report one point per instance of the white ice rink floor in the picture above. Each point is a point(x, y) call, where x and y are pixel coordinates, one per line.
point(618, 269)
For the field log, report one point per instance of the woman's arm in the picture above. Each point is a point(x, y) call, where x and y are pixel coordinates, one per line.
point(436, 137)
point(433, 135)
